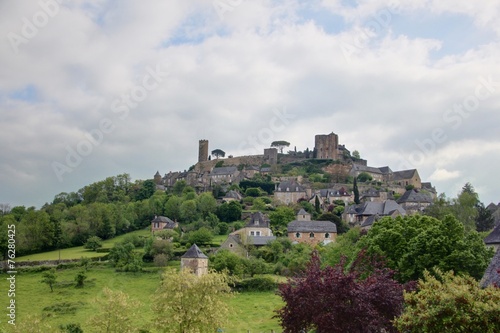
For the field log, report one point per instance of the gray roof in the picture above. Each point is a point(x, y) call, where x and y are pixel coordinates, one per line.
point(233, 195)
point(258, 219)
point(303, 212)
point(492, 207)
point(369, 221)
point(311, 226)
point(385, 170)
point(371, 192)
point(404, 174)
point(364, 168)
point(493, 237)
point(162, 219)
point(260, 240)
point(414, 196)
point(492, 275)
point(194, 252)
point(292, 186)
point(229, 170)
point(376, 208)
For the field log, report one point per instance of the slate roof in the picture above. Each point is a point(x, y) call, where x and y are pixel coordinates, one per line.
point(260, 240)
point(376, 208)
point(414, 196)
point(292, 186)
point(364, 168)
point(262, 220)
point(369, 221)
point(492, 207)
point(371, 192)
point(385, 170)
point(403, 174)
point(229, 170)
point(162, 219)
point(194, 252)
point(428, 187)
point(493, 237)
point(233, 195)
point(303, 212)
point(311, 226)
point(492, 275)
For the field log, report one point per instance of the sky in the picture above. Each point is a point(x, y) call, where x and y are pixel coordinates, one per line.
point(95, 88)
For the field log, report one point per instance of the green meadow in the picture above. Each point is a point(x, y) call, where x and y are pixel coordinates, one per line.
point(251, 311)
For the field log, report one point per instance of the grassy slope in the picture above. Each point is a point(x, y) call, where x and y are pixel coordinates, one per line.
point(79, 251)
point(252, 311)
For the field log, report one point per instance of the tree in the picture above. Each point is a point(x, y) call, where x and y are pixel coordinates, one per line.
point(415, 243)
point(226, 260)
point(355, 190)
point(123, 257)
point(450, 303)
point(364, 177)
point(188, 211)
point(117, 312)
point(361, 298)
point(80, 278)
point(206, 204)
point(484, 218)
point(356, 154)
point(229, 212)
point(186, 303)
point(93, 243)
point(49, 277)
point(201, 236)
point(218, 153)
point(280, 145)
point(341, 225)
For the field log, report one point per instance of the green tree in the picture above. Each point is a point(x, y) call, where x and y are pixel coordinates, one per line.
point(179, 186)
point(93, 243)
point(252, 192)
point(415, 243)
point(282, 216)
point(450, 303)
point(80, 278)
point(280, 145)
point(188, 211)
point(218, 153)
point(341, 225)
point(484, 218)
point(201, 236)
point(49, 278)
point(355, 190)
point(173, 207)
point(356, 154)
point(206, 204)
point(229, 212)
point(117, 313)
point(35, 232)
point(364, 177)
point(186, 303)
point(464, 207)
point(226, 260)
point(123, 257)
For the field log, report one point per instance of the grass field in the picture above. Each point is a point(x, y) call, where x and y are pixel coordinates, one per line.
point(79, 251)
point(251, 311)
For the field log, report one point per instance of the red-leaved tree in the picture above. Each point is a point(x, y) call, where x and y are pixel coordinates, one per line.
point(362, 298)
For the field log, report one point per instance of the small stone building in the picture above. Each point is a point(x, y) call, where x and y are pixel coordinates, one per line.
point(195, 261)
point(162, 223)
point(303, 230)
point(493, 239)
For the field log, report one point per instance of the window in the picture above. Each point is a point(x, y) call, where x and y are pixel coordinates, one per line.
point(327, 235)
point(257, 233)
point(157, 225)
point(252, 233)
point(311, 235)
point(297, 235)
point(231, 245)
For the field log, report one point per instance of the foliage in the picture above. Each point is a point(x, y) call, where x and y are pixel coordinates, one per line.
point(93, 243)
point(201, 236)
point(218, 153)
point(229, 212)
point(223, 228)
point(49, 277)
point(264, 185)
point(356, 154)
point(342, 227)
point(484, 219)
point(282, 216)
point(355, 191)
point(161, 260)
point(252, 192)
point(280, 145)
point(344, 246)
point(186, 303)
point(363, 298)
point(364, 177)
point(415, 243)
point(228, 261)
point(261, 283)
point(32, 324)
point(116, 312)
point(123, 257)
point(80, 278)
point(206, 204)
point(450, 303)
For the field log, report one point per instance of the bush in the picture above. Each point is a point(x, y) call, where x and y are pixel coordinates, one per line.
point(93, 243)
point(264, 283)
point(160, 260)
point(252, 192)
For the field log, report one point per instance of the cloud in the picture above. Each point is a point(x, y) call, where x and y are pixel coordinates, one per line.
point(385, 89)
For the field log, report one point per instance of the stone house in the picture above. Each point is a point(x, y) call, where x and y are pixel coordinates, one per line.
point(256, 232)
point(414, 201)
point(303, 230)
point(378, 174)
point(290, 192)
point(232, 195)
point(405, 178)
point(195, 261)
point(358, 214)
point(493, 239)
point(162, 223)
point(224, 175)
point(372, 194)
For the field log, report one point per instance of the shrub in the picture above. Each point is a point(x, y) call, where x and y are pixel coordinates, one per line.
point(264, 283)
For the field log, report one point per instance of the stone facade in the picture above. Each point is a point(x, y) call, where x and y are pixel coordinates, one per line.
point(326, 146)
point(195, 261)
point(203, 151)
point(303, 230)
point(271, 156)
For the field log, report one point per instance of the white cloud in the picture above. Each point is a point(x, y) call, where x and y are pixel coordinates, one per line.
point(443, 174)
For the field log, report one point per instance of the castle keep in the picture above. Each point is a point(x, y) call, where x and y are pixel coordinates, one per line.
point(326, 146)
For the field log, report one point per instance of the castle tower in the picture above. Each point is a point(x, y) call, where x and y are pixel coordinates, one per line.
point(195, 261)
point(157, 178)
point(326, 146)
point(203, 151)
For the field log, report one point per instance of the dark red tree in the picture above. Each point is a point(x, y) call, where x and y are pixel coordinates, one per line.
point(362, 298)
